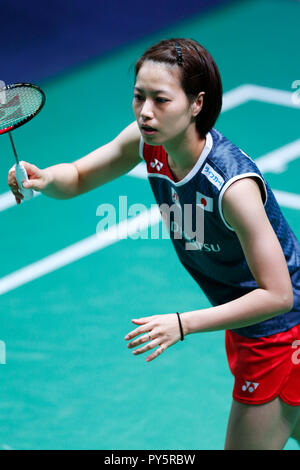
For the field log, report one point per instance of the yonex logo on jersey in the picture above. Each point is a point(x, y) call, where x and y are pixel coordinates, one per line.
point(213, 176)
point(204, 202)
point(156, 164)
point(250, 386)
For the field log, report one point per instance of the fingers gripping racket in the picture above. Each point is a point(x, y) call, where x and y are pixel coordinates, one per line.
point(19, 103)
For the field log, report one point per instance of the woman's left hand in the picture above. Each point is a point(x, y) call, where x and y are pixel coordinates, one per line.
point(161, 331)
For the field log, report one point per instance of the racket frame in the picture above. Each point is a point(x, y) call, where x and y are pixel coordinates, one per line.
point(32, 115)
point(21, 173)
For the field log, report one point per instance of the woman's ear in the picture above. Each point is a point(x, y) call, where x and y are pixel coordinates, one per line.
point(198, 103)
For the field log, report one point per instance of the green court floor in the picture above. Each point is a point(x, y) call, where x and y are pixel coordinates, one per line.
point(69, 381)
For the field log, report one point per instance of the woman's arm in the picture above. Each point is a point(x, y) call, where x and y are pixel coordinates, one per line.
point(109, 161)
point(67, 180)
point(244, 211)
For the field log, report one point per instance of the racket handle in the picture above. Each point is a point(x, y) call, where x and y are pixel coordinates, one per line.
point(21, 175)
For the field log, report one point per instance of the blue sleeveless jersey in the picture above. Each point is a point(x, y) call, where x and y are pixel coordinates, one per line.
point(217, 262)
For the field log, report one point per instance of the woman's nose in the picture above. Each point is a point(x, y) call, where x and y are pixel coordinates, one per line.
point(147, 110)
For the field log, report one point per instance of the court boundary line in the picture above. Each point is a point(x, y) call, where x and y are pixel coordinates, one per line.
point(80, 249)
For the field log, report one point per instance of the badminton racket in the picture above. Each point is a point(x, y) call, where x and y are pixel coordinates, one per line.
point(19, 103)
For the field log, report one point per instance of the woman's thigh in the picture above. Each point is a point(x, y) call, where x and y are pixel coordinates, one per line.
point(260, 427)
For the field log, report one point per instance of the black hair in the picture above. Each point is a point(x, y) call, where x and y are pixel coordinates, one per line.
point(198, 72)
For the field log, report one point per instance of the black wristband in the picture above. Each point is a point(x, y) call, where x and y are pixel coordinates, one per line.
point(180, 327)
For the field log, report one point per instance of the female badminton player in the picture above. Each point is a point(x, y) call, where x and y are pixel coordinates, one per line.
point(248, 263)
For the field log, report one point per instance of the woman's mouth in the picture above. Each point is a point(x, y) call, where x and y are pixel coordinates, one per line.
point(148, 130)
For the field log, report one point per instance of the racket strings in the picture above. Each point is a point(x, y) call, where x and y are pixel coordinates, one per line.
point(18, 104)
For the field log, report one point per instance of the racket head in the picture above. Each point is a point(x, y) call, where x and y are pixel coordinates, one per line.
point(19, 103)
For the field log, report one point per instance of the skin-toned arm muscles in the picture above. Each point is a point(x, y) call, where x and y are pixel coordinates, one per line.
point(244, 211)
point(109, 161)
point(67, 180)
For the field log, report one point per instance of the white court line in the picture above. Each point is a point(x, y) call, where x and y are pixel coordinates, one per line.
point(8, 200)
point(289, 200)
point(99, 241)
point(140, 171)
point(276, 161)
point(244, 93)
point(80, 249)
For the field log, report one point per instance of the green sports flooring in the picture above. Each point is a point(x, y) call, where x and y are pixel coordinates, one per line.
point(69, 381)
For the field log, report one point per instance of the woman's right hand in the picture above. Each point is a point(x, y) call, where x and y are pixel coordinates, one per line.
point(37, 180)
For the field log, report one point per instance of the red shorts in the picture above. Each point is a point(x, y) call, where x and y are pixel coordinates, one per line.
point(266, 367)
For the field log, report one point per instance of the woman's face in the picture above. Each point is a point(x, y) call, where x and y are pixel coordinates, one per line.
point(161, 107)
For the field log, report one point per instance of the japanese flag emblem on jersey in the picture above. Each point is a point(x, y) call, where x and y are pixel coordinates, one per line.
point(175, 197)
point(205, 202)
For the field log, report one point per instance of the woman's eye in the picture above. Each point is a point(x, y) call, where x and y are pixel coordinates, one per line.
point(161, 100)
point(138, 97)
